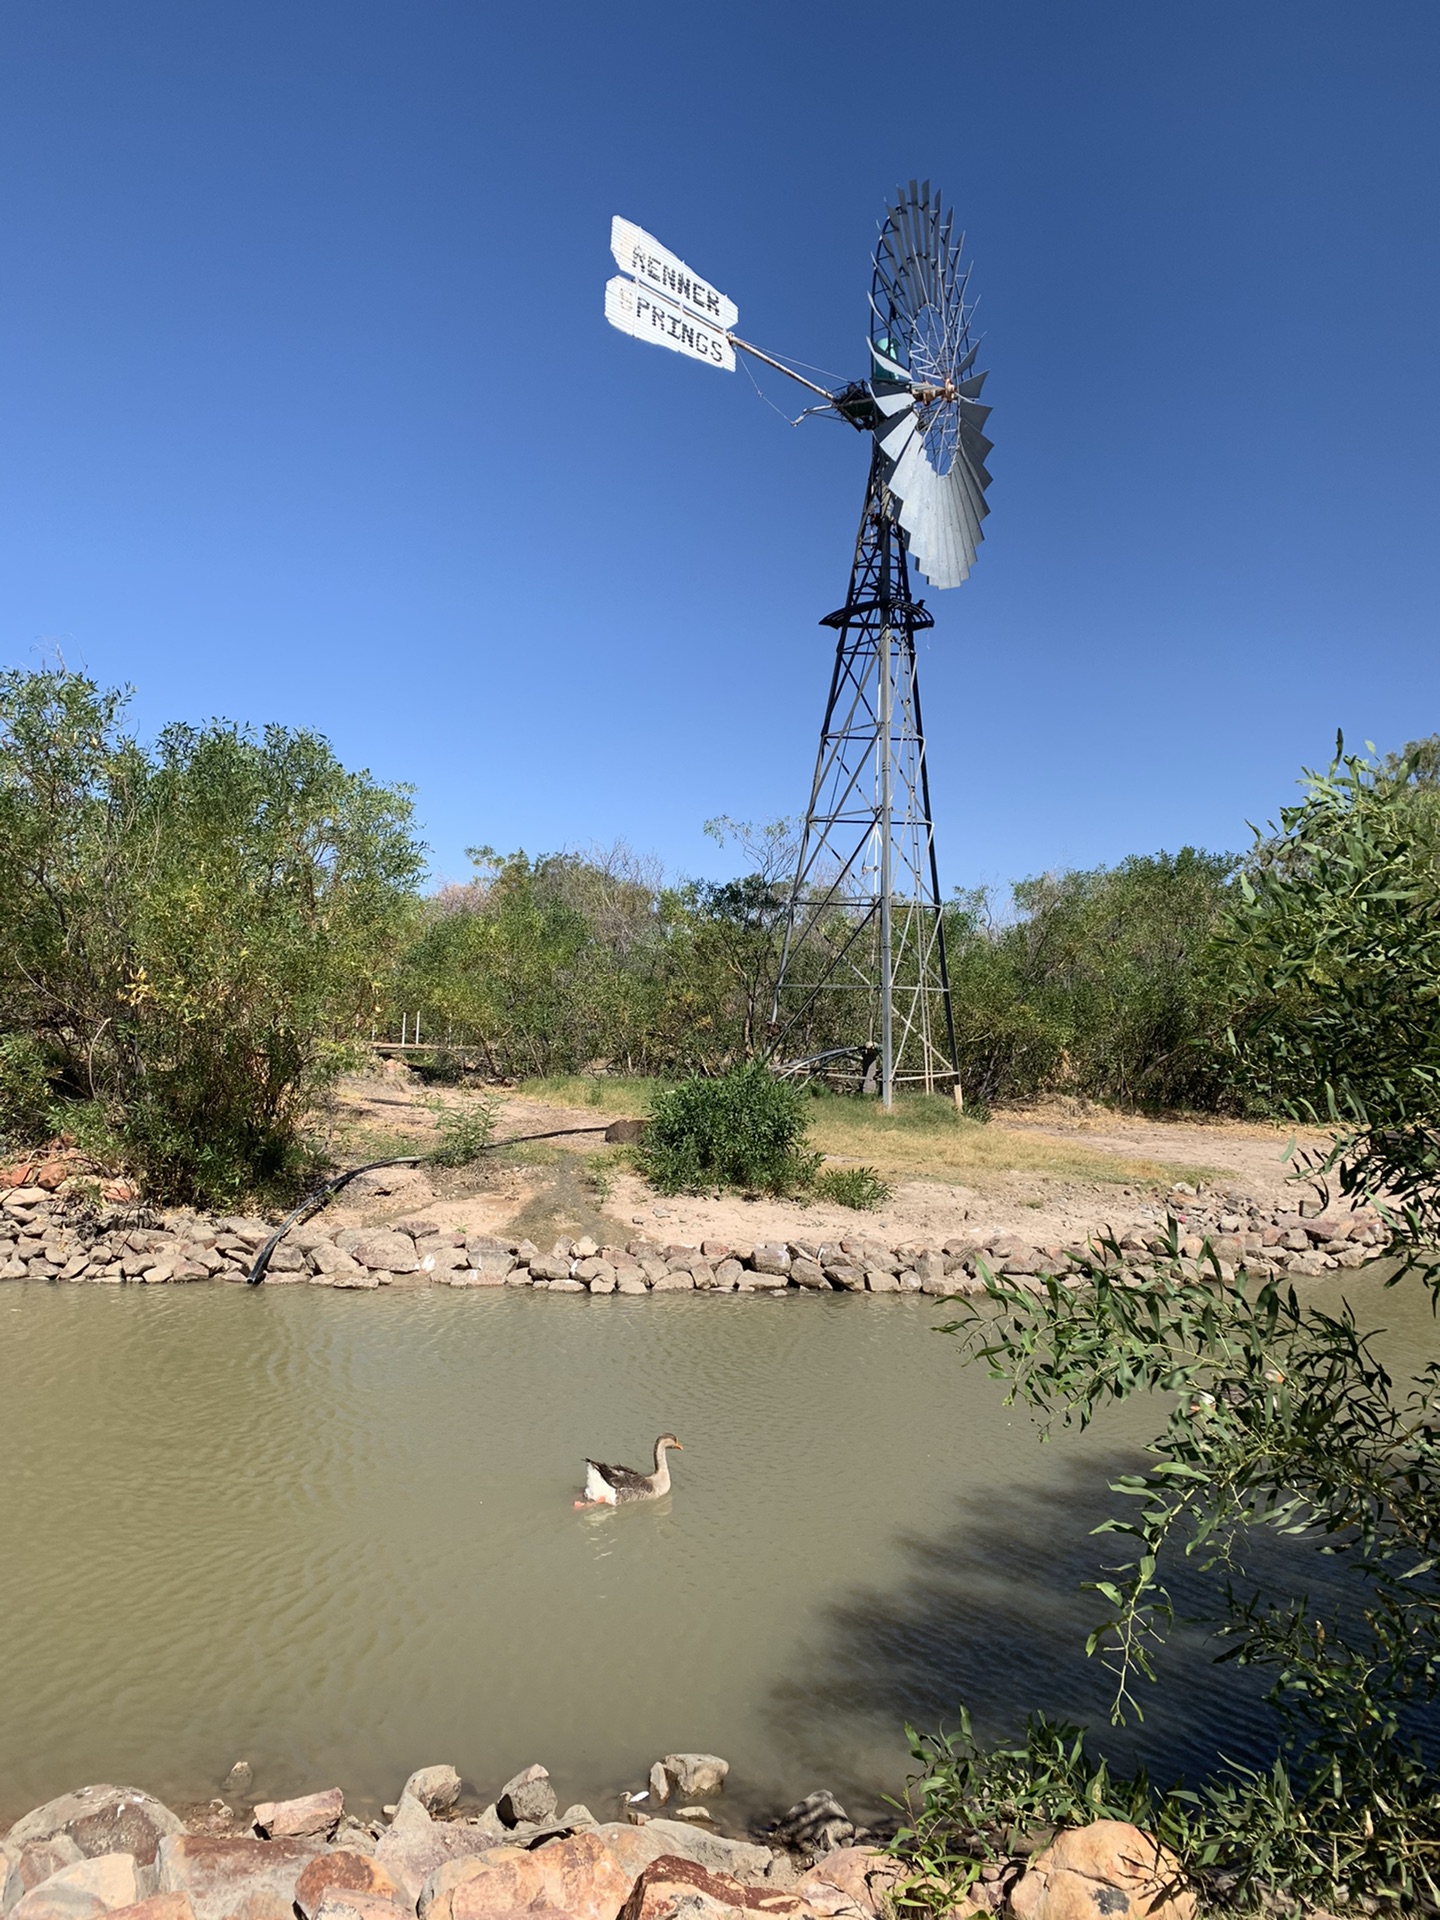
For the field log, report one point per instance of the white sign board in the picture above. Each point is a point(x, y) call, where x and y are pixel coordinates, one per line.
point(648, 315)
point(641, 254)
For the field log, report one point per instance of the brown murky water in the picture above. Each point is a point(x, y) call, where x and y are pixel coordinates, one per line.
point(333, 1536)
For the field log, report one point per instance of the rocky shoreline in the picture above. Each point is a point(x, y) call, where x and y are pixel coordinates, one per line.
point(63, 1237)
point(116, 1851)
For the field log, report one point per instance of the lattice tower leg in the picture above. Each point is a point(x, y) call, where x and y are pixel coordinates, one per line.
point(863, 964)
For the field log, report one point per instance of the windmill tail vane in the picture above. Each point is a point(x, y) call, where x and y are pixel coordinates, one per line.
point(863, 988)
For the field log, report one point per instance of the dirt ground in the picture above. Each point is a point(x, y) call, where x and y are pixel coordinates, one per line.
point(1050, 1175)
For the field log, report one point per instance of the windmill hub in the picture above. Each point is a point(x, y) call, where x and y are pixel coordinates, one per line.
point(863, 975)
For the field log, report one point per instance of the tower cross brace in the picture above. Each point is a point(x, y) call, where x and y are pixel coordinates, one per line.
point(864, 946)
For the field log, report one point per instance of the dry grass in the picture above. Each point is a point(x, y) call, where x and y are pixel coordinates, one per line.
point(923, 1137)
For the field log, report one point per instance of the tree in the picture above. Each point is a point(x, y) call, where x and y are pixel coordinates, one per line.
point(200, 929)
point(1282, 1418)
point(1098, 984)
point(1335, 953)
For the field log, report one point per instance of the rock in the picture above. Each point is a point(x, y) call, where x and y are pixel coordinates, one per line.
point(1014, 1256)
point(240, 1878)
point(581, 1878)
point(659, 1783)
point(669, 1886)
point(83, 1889)
point(863, 1875)
point(771, 1259)
point(638, 1846)
point(1108, 1869)
point(943, 1286)
point(292, 1819)
point(160, 1906)
point(809, 1273)
point(33, 1862)
point(436, 1788)
point(681, 1281)
point(386, 1253)
point(418, 1229)
point(1308, 1263)
point(846, 1274)
point(329, 1259)
point(815, 1825)
point(549, 1267)
point(878, 1281)
point(528, 1796)
point(341, 1871)
point(450, 1873)
point(692, 1773)
point(345, 1903)
point(415, 1846)
point(54, 1901)
point(99, 1820)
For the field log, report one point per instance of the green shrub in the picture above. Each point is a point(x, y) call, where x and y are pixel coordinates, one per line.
point(858, 1187)
point(465, 1132)
point(24, 1092)
point(746, 1131)
point(195, 932)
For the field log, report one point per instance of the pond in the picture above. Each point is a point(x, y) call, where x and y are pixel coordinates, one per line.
point(333, 1536)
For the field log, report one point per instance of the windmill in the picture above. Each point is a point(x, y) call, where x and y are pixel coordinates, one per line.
point(864, 945)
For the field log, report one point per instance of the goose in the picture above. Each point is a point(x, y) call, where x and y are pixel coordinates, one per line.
point(616, 1486)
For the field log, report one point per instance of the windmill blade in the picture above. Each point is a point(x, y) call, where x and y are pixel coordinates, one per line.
point(931, 425)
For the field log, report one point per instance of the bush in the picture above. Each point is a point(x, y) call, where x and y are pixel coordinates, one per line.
point(195, 933)
point(1334, 939)
point(465, 1132)
point(745, 1131)
point(25, 1092)
point(858, 1187)
point(1101, 985)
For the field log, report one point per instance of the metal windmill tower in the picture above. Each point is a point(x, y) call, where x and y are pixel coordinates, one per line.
point(864, 949)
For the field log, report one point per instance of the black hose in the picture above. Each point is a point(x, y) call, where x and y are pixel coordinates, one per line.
point(314, 1201)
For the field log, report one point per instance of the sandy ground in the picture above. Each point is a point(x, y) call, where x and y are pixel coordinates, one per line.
point(575, 1185)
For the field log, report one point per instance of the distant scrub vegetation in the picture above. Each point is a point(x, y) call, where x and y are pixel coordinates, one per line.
point(201, 933)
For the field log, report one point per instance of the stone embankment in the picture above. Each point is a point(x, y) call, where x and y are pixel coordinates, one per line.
point(50, 1236)
point(115, 1853)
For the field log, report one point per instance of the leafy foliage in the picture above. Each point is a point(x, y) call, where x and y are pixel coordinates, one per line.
point(465, 1132)
point(1097, 985)
point(1284, 1421)
point(1100, 985)
point(1334, 944)
point(860, 1187)
point(198, 931)
point(971, 1805)
point(745, 1130)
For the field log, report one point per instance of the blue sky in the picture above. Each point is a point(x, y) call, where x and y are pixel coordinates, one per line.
point(310, 412)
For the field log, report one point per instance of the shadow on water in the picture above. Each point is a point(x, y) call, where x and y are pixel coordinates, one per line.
point(989, 1613)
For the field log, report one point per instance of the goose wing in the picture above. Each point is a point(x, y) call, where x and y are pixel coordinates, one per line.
point(619, 1479)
